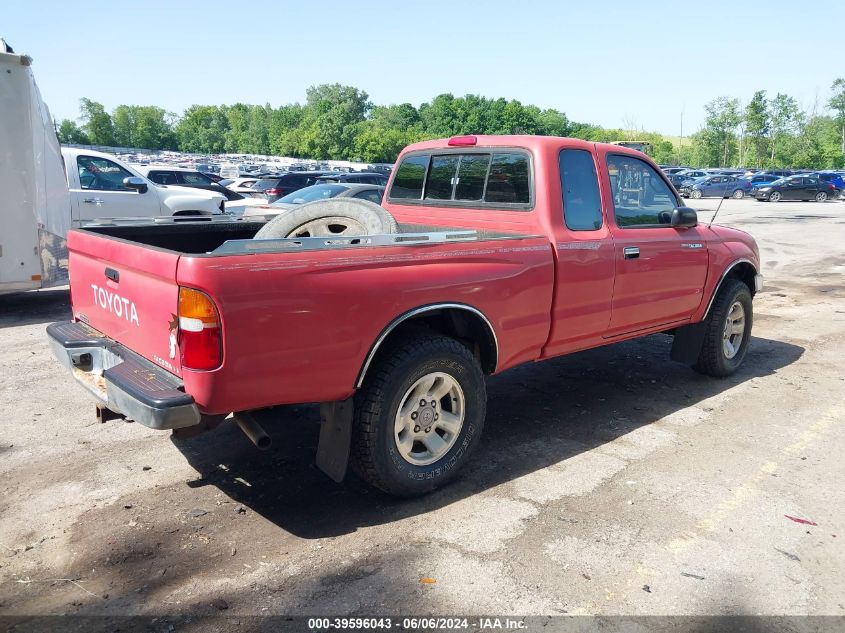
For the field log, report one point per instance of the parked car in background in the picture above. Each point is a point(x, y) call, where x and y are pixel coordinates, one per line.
point(359, 177)
point(679, 179)
point(373, 193)
point(780, 173)
point(834, 178)
point(168, 175)
point(101, 186)
point(276, 187)
point(796, 188)
point(674, 170)
point(243, 186)
point(710, 186)
point(747, 184)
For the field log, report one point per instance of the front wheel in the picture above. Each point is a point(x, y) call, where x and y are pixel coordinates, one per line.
point(418, 415)
point(739, 194)
point(775, 196)
point(821, 196)
point(727, 331)
point(696, 193)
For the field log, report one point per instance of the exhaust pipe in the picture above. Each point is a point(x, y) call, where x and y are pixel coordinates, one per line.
point(253, 430)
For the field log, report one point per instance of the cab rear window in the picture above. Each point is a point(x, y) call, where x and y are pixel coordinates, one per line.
point(409, 179)
point(494, 178)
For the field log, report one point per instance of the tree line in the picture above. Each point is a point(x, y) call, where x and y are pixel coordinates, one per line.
point(340, 122)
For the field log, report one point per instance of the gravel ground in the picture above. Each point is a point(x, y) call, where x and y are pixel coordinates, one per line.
point(611, 481)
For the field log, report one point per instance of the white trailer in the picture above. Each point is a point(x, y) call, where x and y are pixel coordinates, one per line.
point(35, 207)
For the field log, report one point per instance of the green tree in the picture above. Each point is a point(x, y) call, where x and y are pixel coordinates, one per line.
point(203, 129)
point(757, 126)
point(331, 115)
point(258, 129)
point(96, 122)
point(69, 132)
point(837, 104)
point(786, 118)
point(284, 122)
point(148, 127)
point(237, 123)
point(715, 143)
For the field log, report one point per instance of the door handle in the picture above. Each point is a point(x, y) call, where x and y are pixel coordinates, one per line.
point(113, 274)
point(93, 201)
point(631, 252)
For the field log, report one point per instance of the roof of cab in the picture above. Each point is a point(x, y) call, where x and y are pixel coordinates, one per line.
point(524, 141)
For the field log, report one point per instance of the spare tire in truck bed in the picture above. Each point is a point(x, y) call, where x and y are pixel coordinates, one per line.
point(330, 218)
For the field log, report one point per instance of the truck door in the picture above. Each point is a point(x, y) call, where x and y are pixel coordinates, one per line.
point(584, 256)
point(660, 270)
point(101, 193)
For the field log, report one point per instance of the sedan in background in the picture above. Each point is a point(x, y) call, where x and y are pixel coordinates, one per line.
point(710, 187)
point(796, 188)
point(373, 193)
point(243, 186)
point(276, 187)
point(364, 178)
point(834, 178)
point(686, 177)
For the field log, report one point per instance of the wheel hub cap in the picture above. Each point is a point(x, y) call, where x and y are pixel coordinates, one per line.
point(429, 419)
point(734, 330)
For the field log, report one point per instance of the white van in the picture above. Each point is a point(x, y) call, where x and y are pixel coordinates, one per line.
point(47, 189)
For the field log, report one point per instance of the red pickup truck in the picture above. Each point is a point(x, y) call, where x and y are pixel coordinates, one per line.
point(506, 249)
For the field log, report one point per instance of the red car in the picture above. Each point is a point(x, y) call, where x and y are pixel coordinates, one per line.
point(500, 250)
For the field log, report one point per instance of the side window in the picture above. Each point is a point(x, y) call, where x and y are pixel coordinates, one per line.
point(101, 174)
point(373, 195)
point(640, 197)
point(508, 180)
point(580, 188)
point(161, 177)
point(195, 178)
point(472, 173)
point(408, 182)
point(441, 177)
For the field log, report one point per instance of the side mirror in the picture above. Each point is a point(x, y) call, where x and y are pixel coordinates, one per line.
point(133, 182)
point(684, 218)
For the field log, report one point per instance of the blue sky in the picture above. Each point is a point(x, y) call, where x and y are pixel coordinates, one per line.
point(610, 63)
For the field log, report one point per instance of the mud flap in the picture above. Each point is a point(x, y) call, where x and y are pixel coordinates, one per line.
point(335, 438)
point(687, 343)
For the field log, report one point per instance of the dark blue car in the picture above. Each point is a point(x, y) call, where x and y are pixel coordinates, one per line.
point(749, 183)
point(717, 186)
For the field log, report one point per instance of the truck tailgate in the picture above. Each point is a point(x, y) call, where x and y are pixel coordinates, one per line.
point(129, 293)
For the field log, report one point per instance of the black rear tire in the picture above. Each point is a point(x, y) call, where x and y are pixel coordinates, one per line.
point(375, 456)
point(712, 360)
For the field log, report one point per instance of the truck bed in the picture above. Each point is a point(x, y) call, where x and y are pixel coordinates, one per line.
point(300, 316)
point(207, 238)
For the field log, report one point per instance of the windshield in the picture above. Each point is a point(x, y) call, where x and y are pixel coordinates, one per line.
point(312, 193)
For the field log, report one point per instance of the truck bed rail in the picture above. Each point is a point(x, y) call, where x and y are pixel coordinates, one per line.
point(241, 247)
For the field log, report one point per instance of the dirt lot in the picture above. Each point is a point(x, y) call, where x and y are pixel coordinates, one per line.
point(609, 482)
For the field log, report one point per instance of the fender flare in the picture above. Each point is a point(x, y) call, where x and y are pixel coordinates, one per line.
point(410, 314)
point(724, 276)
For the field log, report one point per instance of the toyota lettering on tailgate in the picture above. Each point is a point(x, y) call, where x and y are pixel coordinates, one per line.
point(114, 303)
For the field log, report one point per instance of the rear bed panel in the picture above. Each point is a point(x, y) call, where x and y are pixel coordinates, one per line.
point(134, 301)
point(298, 327)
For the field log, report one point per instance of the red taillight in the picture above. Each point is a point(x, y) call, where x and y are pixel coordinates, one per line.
point(200, 340)
point(463, 140)
point(273, 192)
